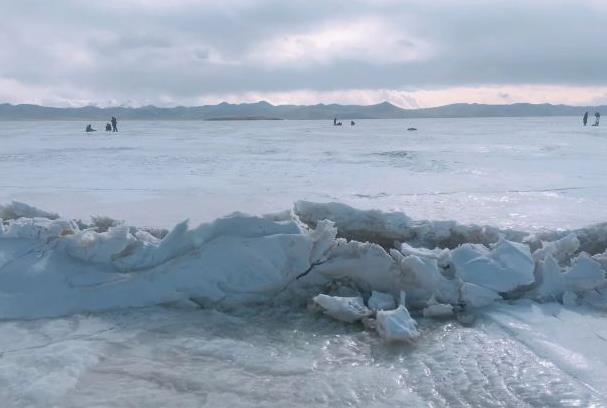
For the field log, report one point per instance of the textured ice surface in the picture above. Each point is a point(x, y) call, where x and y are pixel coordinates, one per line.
point(545, 176)
point(507, 172)
point(159, 357)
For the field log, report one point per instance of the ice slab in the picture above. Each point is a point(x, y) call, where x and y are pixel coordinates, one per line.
point(381, 301)
point(477, 296)
point(438, 311)
point(504, 268)
point(346, 309)
point(584, 274)
point(396, 325)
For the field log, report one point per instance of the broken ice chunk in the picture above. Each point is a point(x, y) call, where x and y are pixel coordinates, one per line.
point(381, 301)
point(584, 274)
point(476, 296)
point(396, 325)
point(346, 309)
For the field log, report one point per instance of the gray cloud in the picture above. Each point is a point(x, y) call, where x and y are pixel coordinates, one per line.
point(149, 50)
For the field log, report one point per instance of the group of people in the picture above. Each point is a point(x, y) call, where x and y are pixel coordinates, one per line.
point(336, 123)
point(111, 126)
point(596, 122)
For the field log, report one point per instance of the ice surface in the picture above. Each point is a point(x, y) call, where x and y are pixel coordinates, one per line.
point(572, 339)
point(159, 357)
point(522, 173)
point(513, 186)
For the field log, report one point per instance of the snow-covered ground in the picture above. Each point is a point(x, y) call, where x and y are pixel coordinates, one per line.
point(295, 308)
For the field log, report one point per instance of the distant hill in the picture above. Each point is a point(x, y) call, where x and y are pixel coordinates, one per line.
point(265, 110)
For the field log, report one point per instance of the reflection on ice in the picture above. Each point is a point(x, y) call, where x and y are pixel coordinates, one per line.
point(165, 356)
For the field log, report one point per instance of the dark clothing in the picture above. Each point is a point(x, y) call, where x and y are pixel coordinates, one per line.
point(598, 118)
point(585, 119)
point(89, 128)
point(108, 127)
point(114, 124)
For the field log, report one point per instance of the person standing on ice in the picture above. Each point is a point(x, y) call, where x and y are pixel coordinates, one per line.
point(114, 124)
point(598, 118)
point(585, 118)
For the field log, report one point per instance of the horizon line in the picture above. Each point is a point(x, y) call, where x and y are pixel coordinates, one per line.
point(385, 102)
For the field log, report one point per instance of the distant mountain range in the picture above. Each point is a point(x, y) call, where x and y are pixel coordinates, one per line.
point(265, 111)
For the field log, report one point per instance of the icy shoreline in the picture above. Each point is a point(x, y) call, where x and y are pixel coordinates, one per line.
point(54, 266)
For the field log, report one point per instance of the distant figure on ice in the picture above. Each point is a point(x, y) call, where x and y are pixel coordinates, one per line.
point(89, 128)
point(598, 118)
point(585, 118)
point(108, 127)
point(336, 123)
point(352, 123)
point(114, 124)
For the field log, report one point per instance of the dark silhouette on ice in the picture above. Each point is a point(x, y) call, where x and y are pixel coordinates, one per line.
point(114, 124)
point(108, 127)
point(598, 118)
point(585, 118)
point(89, 128)
point(352, 123)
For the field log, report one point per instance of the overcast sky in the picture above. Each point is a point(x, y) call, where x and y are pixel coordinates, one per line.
point(411, 53)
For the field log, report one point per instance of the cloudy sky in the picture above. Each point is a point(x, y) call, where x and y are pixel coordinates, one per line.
point(414, 53)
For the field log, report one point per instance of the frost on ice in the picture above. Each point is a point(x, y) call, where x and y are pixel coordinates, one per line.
point(52, 266)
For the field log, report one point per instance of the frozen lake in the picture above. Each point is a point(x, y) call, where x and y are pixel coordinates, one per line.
point(510, 172)
point(529, 174)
